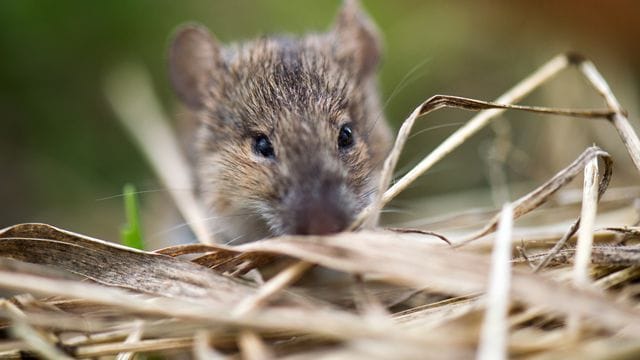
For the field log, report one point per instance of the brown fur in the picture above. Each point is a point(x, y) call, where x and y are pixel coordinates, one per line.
point(298, 92)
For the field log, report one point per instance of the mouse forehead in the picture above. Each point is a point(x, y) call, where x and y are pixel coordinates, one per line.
point(274, 80)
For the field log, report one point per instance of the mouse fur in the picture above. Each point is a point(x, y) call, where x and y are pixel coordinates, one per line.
point(291, 135)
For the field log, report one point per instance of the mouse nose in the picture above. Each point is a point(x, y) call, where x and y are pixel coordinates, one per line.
point(320, 207)
point(320, 219)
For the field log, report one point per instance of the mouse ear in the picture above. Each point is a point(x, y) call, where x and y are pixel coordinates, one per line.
point(358, 38)
point(193, 57)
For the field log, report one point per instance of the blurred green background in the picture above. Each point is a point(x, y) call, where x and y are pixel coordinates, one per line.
point(62, 151)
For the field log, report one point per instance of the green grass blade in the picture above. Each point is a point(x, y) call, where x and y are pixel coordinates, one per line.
point(131, 232)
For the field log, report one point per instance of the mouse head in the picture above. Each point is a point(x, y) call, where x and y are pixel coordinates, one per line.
point(291, 136)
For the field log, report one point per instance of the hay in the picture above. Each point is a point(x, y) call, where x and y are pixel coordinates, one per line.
point(372, 293)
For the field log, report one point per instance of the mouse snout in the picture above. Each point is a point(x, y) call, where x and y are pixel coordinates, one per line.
point(319, 219)
point(319, 210)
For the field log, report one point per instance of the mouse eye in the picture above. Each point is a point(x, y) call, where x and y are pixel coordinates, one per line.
point(262, 146)
point(345, 137)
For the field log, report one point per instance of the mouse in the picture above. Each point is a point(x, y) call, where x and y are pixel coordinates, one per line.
point(290, 136)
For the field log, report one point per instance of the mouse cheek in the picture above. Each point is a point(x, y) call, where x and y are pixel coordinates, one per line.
point(362, 173)
point(263, 186)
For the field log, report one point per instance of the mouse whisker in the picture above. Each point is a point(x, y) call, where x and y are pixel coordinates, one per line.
point(399, 172)
point(402, 84)
point(184, 224)
point(435, 127)
point(158, 190)
point(396, 210)
point(203, 220)
point(230, 242)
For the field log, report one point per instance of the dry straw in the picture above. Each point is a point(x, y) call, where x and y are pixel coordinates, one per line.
point(493, 340)
point(401, 293)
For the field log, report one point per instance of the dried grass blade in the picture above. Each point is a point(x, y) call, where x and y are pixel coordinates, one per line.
point(493, 336)
point(585, 236)
point(94, 351)
point(35, 340)
point(63, 321)
point(454, 272)
point(130, 93)
point(588, 216)
point(253, 348)
point(421, 232)
point(444, 101)
point(619, 117)
point(619, 277)
point(202, 350)
point(541, 194)
point(557, 247)
point(187, 249)
point(134, 336)
point(600, 255)
point(371, 213)
point(272, 287)
point(330, 323)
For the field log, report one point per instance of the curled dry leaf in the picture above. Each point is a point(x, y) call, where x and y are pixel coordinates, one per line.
point(115, 265)
point(540, 195)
